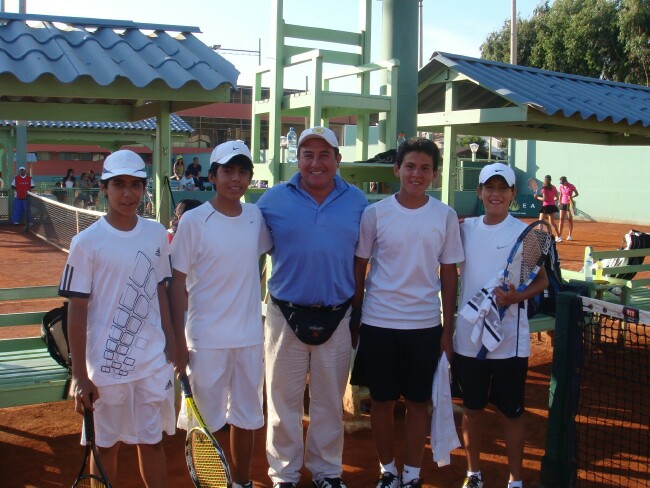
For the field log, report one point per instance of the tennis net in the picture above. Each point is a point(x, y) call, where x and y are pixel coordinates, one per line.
point(612, 419)
point(598, 431)
point(57, 223)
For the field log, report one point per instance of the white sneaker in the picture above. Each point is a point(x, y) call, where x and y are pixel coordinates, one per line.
point(569, 238)
point(558, 239)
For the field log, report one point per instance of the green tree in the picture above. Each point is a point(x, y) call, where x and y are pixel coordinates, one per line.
point(598, 38)
point(634, 28)
point(465, 141)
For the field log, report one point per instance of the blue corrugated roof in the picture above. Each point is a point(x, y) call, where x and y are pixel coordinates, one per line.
point(552, 92)
point(177, 124)
point(68, 48)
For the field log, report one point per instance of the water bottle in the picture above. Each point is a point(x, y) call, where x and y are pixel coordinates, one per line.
point(401, 137)
point(292, 147)
point(599, 270)
point(589, 263)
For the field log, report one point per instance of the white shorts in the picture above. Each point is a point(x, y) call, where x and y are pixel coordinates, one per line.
point(136, 412)
point(227, 386)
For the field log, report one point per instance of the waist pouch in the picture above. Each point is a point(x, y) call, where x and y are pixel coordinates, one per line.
point(312, 325)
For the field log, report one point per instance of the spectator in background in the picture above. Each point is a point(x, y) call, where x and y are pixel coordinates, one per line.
point(21, 184)
point(567, 193)
point(2, 181)
point(69, 181)
point(182, 207)
point(83, 198)
point(548, 198)
point(187, 183)
point(179, 168)
point(195, 169)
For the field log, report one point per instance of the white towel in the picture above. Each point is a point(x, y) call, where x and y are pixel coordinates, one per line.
point(483, 311)
point(444, 438)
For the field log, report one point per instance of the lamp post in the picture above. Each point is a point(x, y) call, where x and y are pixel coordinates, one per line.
point(243, 52)
point(474, 147)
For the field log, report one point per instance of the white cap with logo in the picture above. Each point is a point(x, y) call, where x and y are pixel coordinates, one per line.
point(228, 150)
point(497, 169)
point(320, 133)
point(123, 163)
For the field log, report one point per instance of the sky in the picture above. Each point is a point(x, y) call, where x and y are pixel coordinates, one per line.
point(457, 27)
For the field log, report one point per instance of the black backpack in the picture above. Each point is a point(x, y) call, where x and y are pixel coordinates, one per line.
point(546, 301)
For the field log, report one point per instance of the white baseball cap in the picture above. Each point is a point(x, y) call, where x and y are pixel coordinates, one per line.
point(228, 150)
point(497, 169)
point(123, 162)
point(320, 133)
point(22, 168)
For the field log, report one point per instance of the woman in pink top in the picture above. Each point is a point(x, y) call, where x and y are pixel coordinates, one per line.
point(548, 198)
point(567, 193)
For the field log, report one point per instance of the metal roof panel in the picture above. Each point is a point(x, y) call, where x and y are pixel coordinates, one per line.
point(552, 92)
point(177, 124)
point(32, 46)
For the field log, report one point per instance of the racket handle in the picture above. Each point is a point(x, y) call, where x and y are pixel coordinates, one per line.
point(482, 354)
point(185, 385)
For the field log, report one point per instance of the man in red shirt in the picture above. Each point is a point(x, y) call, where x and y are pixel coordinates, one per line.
point(21, 184)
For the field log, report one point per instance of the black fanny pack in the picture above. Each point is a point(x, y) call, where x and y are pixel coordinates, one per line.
point(312, 325)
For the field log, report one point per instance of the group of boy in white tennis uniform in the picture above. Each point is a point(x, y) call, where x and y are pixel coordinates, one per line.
point(129, 330)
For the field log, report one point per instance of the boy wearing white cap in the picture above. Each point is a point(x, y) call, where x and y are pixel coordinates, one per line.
point(215, 255)
point(119, 328)
point(500, 379)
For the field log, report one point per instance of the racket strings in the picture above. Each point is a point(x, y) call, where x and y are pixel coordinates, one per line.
point(90, 483)
point(208, 465)
point(534, 247)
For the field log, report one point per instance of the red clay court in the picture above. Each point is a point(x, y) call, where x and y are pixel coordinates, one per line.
point(39, 444)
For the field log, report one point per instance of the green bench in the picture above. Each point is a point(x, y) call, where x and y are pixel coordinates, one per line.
point(28, 374)
point(633, 293)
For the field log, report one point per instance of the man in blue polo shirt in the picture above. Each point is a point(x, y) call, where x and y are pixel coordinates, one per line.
point(314, 219)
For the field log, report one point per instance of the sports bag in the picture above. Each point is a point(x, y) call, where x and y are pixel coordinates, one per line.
point(632, 240)
point(54, 332)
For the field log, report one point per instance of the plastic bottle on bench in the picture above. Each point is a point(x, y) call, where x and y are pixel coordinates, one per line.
point(587, 269)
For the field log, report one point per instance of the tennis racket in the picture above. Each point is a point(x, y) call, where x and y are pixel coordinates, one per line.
point(86, 478)
point(532, 184)
point(205, 459)
point(526, 258)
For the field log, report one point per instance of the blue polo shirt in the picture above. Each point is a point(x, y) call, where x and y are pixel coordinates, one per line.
point(313, 253)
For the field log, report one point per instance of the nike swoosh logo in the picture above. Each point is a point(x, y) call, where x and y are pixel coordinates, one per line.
point(502, 247)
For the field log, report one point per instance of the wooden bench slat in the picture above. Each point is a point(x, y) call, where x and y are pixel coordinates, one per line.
point(21, 344)
point(21, 318)
point(29, 293)
point(620, 253)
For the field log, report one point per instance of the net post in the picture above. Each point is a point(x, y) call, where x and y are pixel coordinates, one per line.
point(558, 462)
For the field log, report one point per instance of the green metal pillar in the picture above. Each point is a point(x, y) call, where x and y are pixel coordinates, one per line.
point(162, 164)
point(400, 41)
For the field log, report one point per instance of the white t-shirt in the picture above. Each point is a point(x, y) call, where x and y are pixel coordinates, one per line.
point(187, 183)
point(119, 273)
point(486, 252)
point(219, 255)
point(405, 248)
